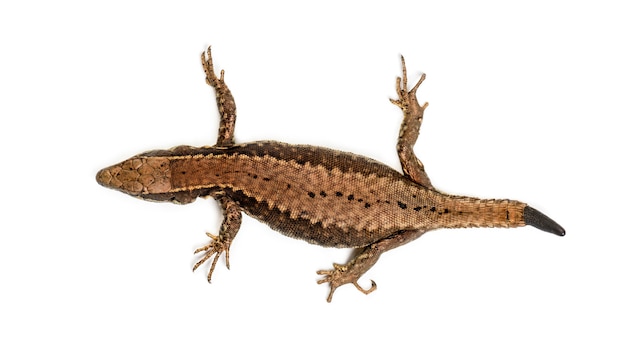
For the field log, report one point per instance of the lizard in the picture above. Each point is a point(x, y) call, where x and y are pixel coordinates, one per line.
point(323, 196)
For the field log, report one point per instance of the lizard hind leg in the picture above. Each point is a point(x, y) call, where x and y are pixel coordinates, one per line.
point(409, 130)
point(350, 272)
point(225, 101)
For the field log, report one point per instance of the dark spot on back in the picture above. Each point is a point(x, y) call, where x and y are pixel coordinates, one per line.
point(433, 209)
point(350, 197)
point(311, 194)
point(339, 194)
point(266, 179)
point(402, 205)
point(323, 194)
point(367, 205)
point(417, 208)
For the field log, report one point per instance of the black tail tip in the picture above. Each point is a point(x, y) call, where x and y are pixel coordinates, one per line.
point(542, 222)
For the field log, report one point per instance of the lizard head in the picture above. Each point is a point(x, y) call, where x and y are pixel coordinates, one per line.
point(141, 176)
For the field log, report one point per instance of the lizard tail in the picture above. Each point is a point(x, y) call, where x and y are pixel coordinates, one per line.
point(539, 220)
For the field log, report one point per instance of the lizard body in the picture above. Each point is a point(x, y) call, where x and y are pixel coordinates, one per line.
point(326, 197)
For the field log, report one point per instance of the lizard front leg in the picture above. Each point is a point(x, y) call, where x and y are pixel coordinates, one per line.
point(410, 128)
point(225, 101)
point(225, 137)
point(350, 272)
point(228, 230)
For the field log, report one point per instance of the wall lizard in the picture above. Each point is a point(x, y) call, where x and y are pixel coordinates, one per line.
point(323, 196)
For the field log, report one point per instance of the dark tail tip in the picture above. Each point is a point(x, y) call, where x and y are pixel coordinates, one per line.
point(542, 222)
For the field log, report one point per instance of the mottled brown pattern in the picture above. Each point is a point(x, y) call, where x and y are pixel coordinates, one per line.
point(410, 128)
point(365, 206)
point(323, 196)
point(225, 101)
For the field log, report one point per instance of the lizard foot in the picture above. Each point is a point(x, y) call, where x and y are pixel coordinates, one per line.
point(407, 99)
point(216, 247)
point(207, 64)
point(341, 275)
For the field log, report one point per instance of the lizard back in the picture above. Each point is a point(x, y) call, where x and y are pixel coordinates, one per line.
point(323, 196)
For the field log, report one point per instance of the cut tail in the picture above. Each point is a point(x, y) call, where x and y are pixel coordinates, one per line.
point(541, 221)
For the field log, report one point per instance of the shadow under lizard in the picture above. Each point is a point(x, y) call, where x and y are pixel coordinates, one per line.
point(323, 196)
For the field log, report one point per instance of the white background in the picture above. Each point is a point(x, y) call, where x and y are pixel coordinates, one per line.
point(526, 102)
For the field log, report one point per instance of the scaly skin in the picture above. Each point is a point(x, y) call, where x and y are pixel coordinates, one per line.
point(326, 197)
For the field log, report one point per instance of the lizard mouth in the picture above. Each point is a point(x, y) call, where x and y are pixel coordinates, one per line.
point(105, 177)
point(115, 177)
point(138, 175)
